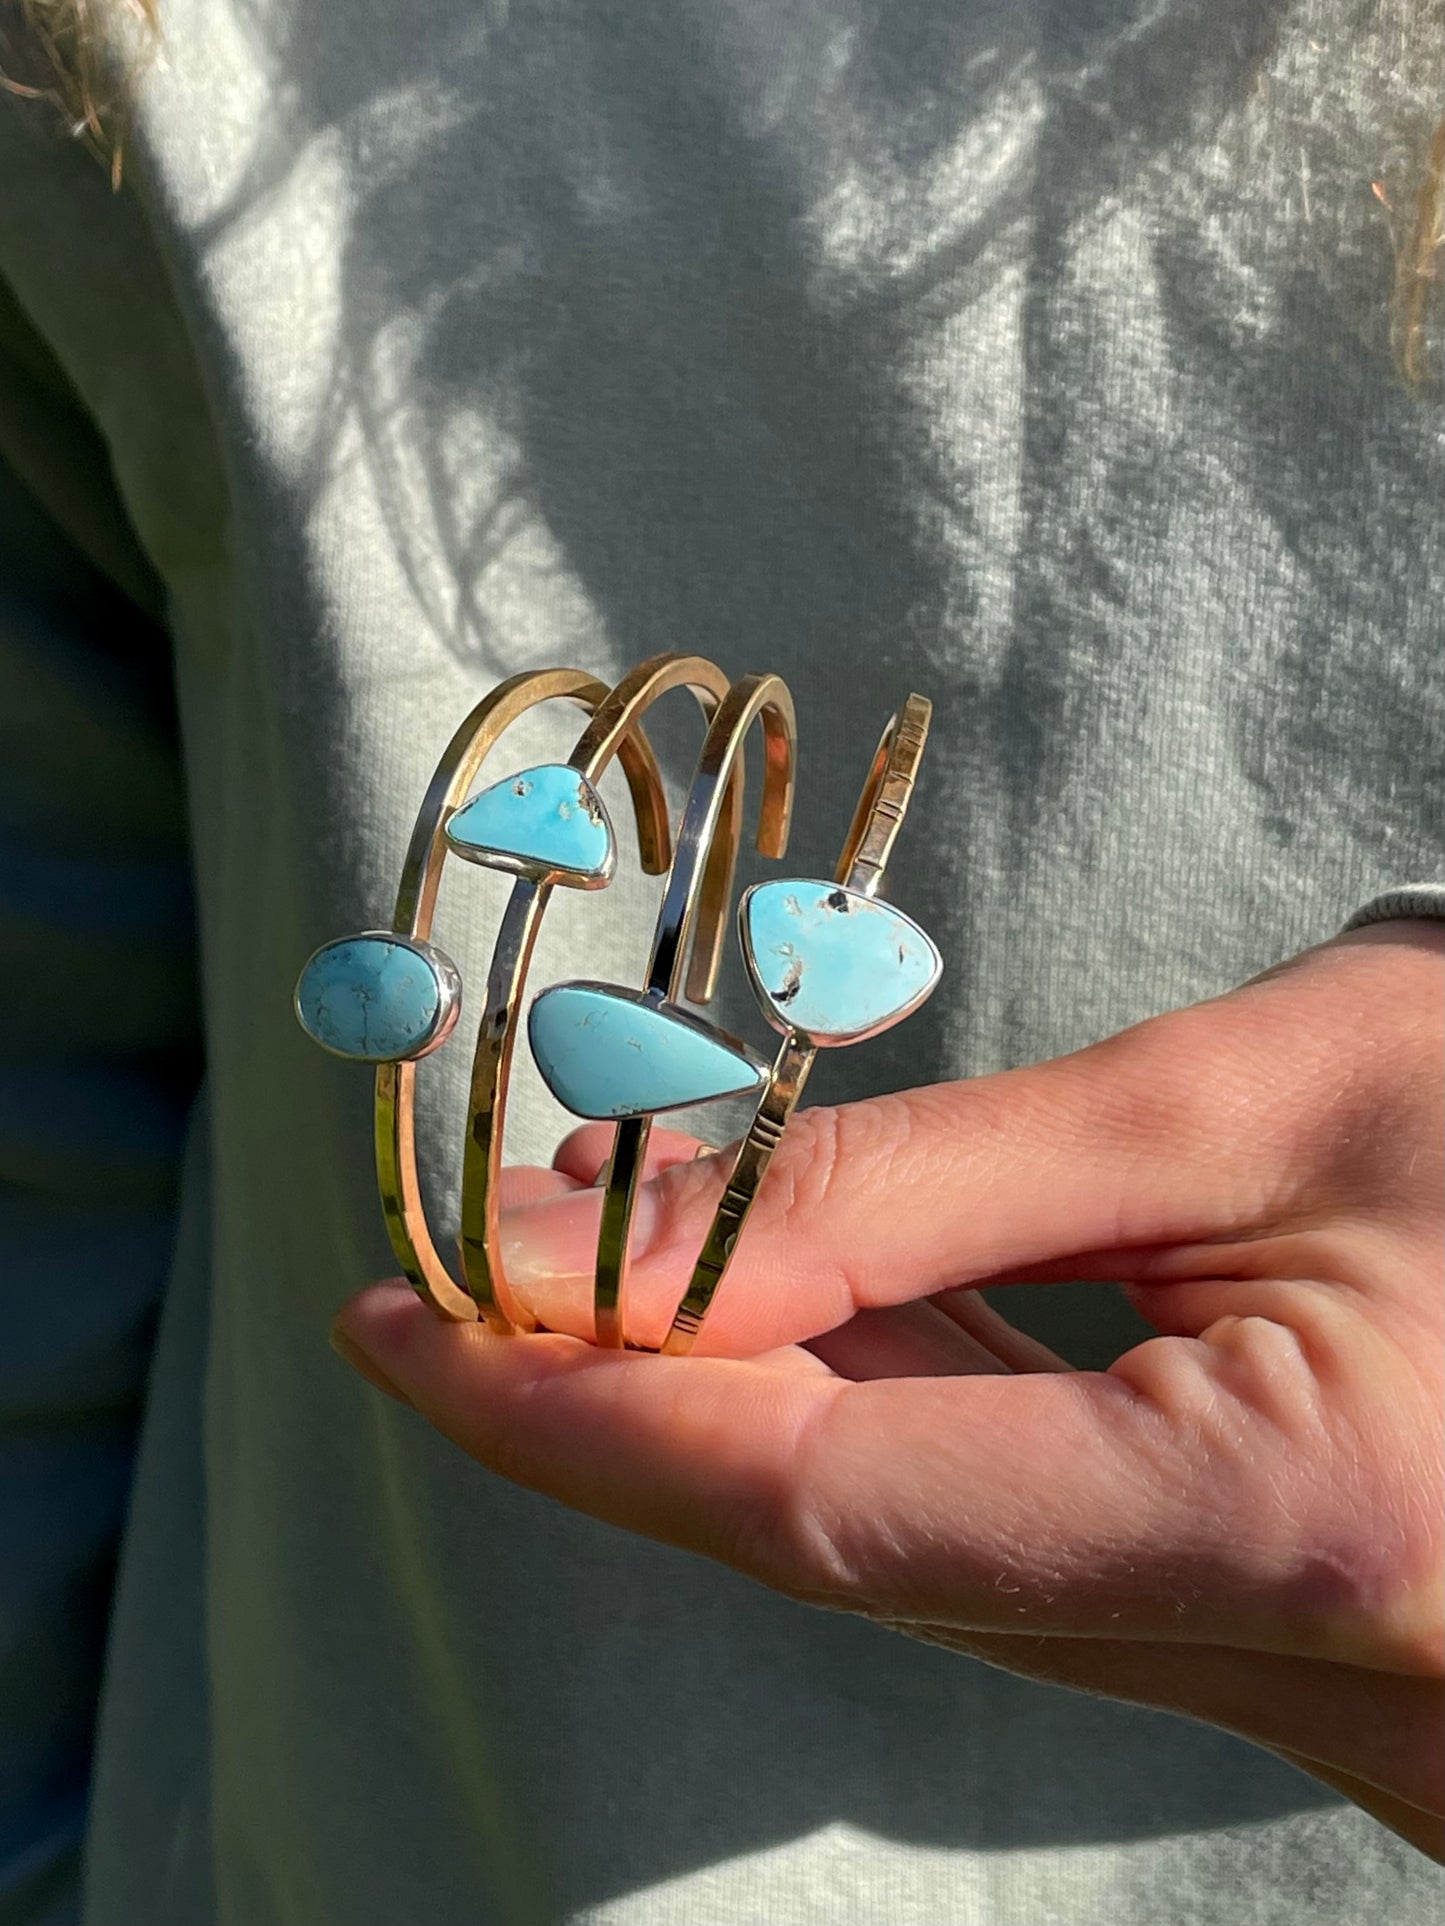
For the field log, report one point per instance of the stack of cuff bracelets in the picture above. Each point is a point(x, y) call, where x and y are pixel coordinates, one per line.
point(828, 961)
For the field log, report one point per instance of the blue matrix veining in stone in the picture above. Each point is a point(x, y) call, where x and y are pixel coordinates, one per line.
point(550, 815)
point(609, 1053)
point(834, 963)
point(374, 998)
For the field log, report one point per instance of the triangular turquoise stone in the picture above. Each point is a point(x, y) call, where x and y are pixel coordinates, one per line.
point(547, 819)
point(609, 1053)
point(833, 963)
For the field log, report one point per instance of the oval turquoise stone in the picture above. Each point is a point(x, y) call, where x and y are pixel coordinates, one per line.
point(374, 998)
point(609, 1053)
point(833, 963)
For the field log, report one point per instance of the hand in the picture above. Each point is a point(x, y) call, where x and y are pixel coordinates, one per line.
point(1240, 1521)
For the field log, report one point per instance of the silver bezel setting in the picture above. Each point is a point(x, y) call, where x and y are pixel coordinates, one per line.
point(677, 1013)
point(832, 1039)
point(510, 864)
point(448, 980)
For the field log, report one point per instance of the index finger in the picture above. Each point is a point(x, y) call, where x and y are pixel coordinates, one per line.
point(900, 1197)
point(1211, 1125)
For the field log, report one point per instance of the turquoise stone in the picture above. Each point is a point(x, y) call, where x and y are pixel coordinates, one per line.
point(833, 963)
point(610, 1053)
point(378, 998)
point(547, 819)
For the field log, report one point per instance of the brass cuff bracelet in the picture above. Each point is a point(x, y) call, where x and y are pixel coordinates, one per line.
point(829, 963)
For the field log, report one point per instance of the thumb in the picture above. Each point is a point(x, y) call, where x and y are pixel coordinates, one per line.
point(1183, 1128)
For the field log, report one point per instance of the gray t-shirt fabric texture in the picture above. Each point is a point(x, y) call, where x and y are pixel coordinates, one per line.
point(1036, 357)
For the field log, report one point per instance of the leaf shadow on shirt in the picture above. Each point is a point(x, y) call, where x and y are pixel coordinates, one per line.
point(648, 318)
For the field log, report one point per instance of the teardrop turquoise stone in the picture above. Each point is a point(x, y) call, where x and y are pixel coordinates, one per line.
point(834, 963)
point(375, 998)
point(609, 1053)
point(550, 817)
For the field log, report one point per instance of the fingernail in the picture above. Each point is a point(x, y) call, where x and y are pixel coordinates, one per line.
point(351, 1352)
point(557, 1237)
